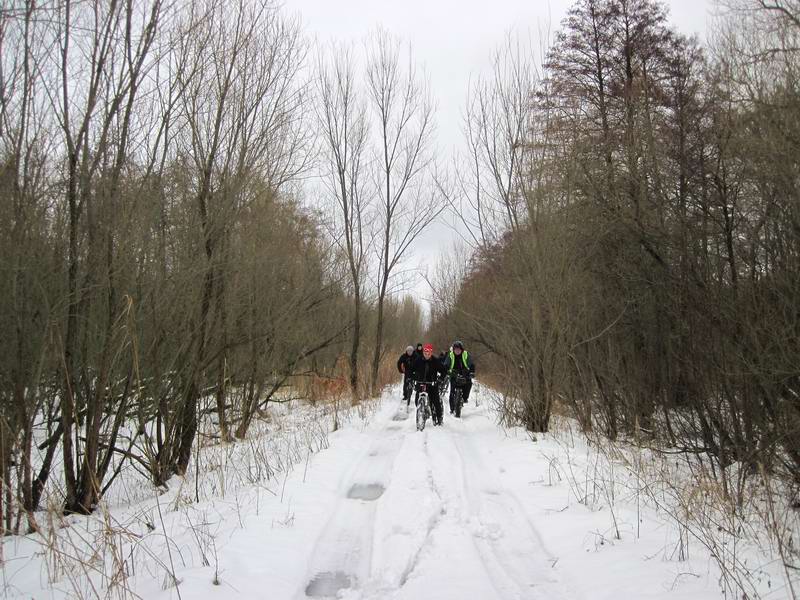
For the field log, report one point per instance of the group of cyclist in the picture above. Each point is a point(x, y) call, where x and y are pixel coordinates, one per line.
point(454, 369)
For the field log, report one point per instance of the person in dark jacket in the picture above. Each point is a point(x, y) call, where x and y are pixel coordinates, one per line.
point(404, 365)
point(426, 369)
point(459, 363)
point(418, 351)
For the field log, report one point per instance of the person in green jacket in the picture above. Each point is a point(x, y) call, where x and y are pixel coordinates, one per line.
point(458, 362)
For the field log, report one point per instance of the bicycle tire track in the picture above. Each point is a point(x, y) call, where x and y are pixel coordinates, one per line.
point(411, 512)
point(480, 534)
point(435, 560)
point(341, 558)
point(509, 541)
point(428, 510)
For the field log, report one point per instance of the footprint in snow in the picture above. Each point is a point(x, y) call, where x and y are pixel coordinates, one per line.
point(489, 531)
point(368, 491)
point(328, 584)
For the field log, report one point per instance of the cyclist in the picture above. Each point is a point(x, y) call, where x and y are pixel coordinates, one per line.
point(404, 365)
point(459, 363)
point(426, 369)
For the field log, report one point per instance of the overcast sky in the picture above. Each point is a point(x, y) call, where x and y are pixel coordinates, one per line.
point(454, 40)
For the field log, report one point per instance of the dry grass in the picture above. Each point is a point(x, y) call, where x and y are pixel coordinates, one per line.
point(695, 502)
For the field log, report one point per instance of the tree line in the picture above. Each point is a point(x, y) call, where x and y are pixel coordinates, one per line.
point(160, 261)
point(632, 212)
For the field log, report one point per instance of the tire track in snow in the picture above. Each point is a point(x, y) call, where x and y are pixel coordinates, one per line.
point(342, 556)
point(445, 542)
point(446, 564)
point(512, 548)
point(408, 515)
point(435, 512)
point(464, 508)
point(444, 526)
point(416, 529)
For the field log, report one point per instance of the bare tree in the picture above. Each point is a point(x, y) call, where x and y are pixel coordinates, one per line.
point(408, 202)
point(242, 105)
point(156, 266)
point(28, 278)
point(498, 127)
point(343, 125)
point(94, 107)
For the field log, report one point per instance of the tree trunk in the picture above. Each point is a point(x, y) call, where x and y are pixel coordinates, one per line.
point(376, 357)
point(355, 345)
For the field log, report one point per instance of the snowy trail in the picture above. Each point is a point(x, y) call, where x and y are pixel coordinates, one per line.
point(423, 515)
point(467, 511)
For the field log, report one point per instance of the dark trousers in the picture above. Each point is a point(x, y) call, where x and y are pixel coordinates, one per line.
point(407, 388)
point(465, 393)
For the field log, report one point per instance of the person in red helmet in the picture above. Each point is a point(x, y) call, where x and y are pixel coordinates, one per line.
point(426, 370)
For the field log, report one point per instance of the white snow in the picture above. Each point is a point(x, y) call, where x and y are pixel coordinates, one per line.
point(465, 511)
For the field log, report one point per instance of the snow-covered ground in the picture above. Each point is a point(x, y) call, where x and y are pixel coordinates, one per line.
point(376, 510)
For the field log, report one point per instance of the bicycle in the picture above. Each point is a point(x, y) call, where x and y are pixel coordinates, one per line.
point(423, 408)
point(459, 381)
